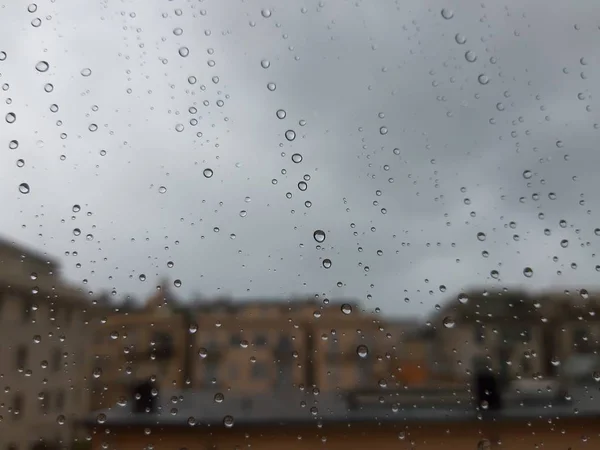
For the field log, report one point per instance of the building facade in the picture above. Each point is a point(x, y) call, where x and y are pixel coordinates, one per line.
point(44, 337)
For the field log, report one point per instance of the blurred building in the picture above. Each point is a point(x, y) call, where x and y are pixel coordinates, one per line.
point(44, 336)
point(250, 346)
point(515, 333)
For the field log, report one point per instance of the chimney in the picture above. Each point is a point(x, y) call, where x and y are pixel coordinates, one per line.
point(144, 398)
point(487, 391)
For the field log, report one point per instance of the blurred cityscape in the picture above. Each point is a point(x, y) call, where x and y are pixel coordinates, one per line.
point(300, 372)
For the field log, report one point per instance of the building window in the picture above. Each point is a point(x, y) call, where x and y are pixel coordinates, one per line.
point(163, 345)
point(27, 311)
point(44, 402)
point(17, 406)
point(56, 359)
point(60, 400)
point(235, 339)
point(259, 370)
point(21, 356)
point(479, 333)
point(261, 340)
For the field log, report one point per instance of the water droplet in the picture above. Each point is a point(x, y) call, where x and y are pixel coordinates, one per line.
point(42, 66)
point(297, 158)
point(483, 79)
point(177, 31)
point(596, 376)
point(10, 117)
point(162, 190)
point(527, 174)
point(271, 86)
point(207, 173)
point(447, 13)
point(2, 56)
point(60, 420)
point(20, 163)
point(265, 64)
point(93, 127)
point(448, 322)
point(495, 274)
point(281, 114)
point(470, 56)
point(327, 263)
point(319, 236)
point(36, 22)
point(142, 277)
point(76, 231)
point(302, 185)
point(32, 8)
point(219, 397)
point(290, 135)
point(346, 308)
point(48, 87)
point(76, 208)
point(184, 51)
point(460, 38)
point(564, 243)
point(177, 283)
point(86, 72)
point(97, 372)
point(362, 351)
point(383, 131)
point(528, 272)
point(266, 13)
point(463, 298)
point(481, 236)
point(228, 421)
point(24, 188)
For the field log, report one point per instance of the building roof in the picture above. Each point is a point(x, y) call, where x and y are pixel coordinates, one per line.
point(295, 407)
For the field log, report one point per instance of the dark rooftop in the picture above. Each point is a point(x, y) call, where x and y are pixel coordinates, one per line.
point(295, 407)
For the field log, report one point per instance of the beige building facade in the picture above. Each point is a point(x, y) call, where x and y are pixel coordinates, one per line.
point(43, 333)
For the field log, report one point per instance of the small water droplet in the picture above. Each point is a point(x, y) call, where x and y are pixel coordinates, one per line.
point(346, 308)
point(281, 114)
point(228, 421)
point(481, 236)
point(483, 79)
point(362, 351)
point(297, 158)
point(271, 86)
point(162, 189)
point(266, 13)
point(184, 51)
point(463, 298)
point(470, 56)
point(448, 322)
point(24, 188)
point(383, 131)
point(177, 31)
point(177, 283)
point(142, 277)
point(86, 72)
point(528, 272)
point(460, 38)
point(327, 263)
point(207, 173)
point(32, 8)
point(265, 64)
point(290, 135)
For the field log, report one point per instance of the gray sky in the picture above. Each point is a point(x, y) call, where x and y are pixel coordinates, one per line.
point(342, 71)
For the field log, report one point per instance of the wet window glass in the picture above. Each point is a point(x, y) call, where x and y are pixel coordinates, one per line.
point(300, 224)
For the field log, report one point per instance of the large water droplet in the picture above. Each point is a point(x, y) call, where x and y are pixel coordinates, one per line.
point(10, 117)
point(460, 38)
point(184, 51)
point(290, 135)
point(463, 298)
point(24, 188)
point(42, 66)
point(207, 172)
point(528, 272)
point(346, 308)
point(319, 236)
point(297, 158)
point(86, 72)
point(483, 79)
point(265, 64)
point(327, 263)
point(470, 56)
point(362, 351)
point(447, 13)
point(448, 322)
point(266, 13)
point(177, 283)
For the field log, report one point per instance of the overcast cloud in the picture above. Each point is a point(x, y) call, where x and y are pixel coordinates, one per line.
point(342, 70)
